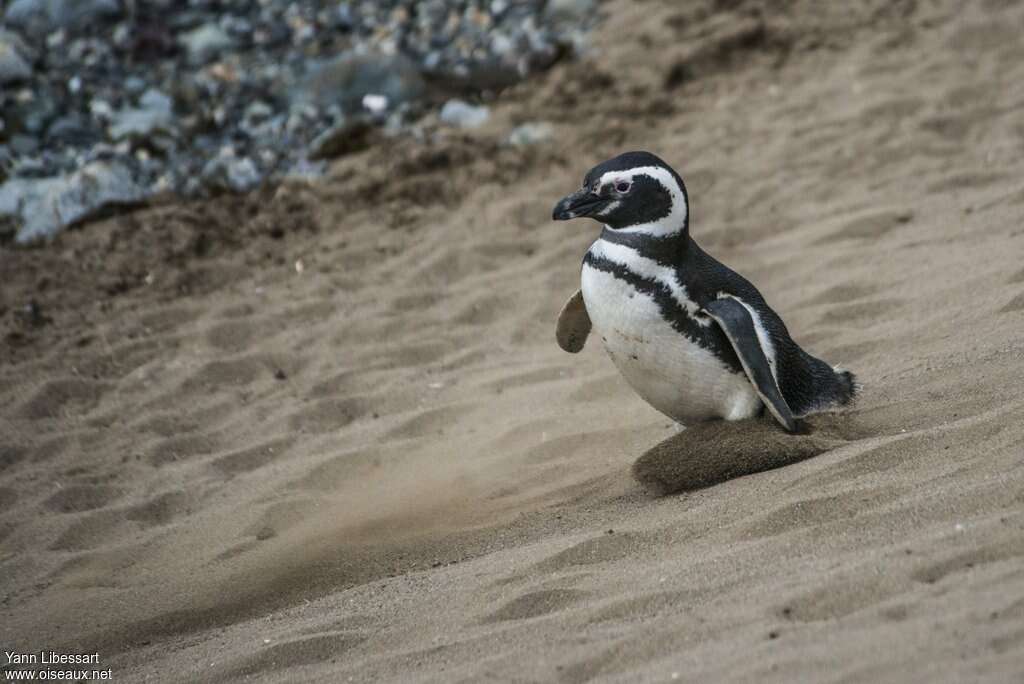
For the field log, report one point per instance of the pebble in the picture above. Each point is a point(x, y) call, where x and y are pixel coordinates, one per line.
point(226, 172)
point(154, 114)
point(531, 133)
point(206, 42)
point(464, 115)
point(14, 67)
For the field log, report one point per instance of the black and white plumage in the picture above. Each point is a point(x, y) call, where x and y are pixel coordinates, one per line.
point(692, 337)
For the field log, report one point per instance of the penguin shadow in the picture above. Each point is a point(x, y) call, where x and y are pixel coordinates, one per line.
point(707, 454)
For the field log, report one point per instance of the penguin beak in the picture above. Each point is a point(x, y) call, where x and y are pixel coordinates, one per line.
point(580, 203)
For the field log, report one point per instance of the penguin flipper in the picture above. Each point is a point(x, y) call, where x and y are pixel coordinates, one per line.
point(735, 321)
point(573, 324)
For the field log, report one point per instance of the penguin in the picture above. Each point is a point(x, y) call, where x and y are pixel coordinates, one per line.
point(693, 338)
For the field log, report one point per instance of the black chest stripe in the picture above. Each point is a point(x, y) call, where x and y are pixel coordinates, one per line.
point(667, 251)
point(709, 337)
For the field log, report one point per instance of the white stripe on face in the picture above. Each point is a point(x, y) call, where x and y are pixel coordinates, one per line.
point(669, 225)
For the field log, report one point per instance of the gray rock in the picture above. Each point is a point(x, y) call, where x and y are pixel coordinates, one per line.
point(570, 11)
point(42, 207)
point(23, 145)
point(243, 175)
point(43, 16)
point(134, 85)
point(257, 112)
point(155, 114)
point(206, 42)
point(28, 51)
point(347, 79)
point(37, 112)
point(464, 115)
point(530, 134)
point(229, 172)
point(72, 129)
point(14, 64)
point(29, 167)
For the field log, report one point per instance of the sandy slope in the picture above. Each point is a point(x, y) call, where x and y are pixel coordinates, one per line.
point(326, 433)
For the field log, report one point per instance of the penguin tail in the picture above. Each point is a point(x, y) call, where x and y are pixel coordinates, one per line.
point(848, 387)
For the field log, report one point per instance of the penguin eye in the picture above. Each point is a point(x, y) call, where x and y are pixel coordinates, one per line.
point(623, 187)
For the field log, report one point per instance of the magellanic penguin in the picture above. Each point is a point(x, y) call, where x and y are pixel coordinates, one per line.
point(693, 338)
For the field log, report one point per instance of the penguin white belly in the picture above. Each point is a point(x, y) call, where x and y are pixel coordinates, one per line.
point(674, 375)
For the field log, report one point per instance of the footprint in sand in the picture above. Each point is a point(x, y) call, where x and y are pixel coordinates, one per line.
point(246, 460)
point(79, 498)
point(310, 650)
point(599, 549)
point(63, 398)
point(164, 319)
point(241, 371)
point(91, 531)
point(536, 604)
point(238, 335)
point(328, 415)
point(430, 422)
point(161, 509)
point(182, 449)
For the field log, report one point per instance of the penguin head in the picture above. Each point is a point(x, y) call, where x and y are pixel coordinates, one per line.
point(634, 192)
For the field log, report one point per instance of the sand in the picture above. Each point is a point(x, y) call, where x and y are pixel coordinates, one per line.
point(325, 433)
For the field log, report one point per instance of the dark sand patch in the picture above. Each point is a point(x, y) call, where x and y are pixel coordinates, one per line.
point(709, 453)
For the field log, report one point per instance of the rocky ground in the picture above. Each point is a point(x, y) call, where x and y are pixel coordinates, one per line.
point(109, 103)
